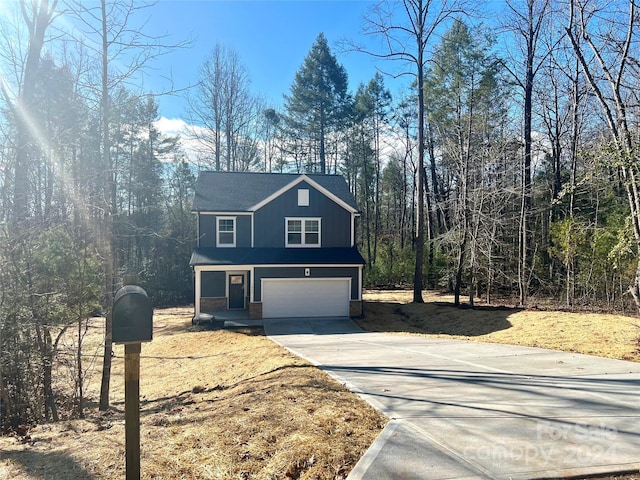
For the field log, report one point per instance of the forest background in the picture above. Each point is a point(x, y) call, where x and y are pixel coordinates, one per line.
point(510, 173)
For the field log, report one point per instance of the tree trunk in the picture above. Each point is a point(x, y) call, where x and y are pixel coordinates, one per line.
point(418, 272)
point(367, 196)
point(525, 211)
point(460, 265)
point(376, 213)
point(107, 232)
point(435, 187)
point(47, 381)
point(323, 161)
point(79, 375)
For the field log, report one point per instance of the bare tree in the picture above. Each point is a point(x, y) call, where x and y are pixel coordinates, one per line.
point(406, 36)
point(527, 22)
point(563, 111)
point(224, 113)
point(603, 38)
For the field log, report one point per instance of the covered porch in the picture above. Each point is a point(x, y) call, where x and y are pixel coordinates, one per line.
point(222, 292)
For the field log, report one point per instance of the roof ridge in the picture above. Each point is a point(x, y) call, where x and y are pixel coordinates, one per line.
point(218, 172)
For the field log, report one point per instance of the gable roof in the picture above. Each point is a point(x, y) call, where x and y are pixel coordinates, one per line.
point(248, 191)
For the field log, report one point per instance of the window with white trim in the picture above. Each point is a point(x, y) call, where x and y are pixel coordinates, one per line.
point(302, 232)
point(226, 232)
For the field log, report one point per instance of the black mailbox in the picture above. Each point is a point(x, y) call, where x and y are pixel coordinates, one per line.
point(132, 316)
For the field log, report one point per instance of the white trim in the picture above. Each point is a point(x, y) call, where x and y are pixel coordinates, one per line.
point(223, 214)
point(198, 287)
point(329, 194)
point(307, 279)
point(220, 268)
point(302, 232)
point(317, 186)
point(353, 229)
point(235, 229)
point(198, 229)
point(252, 277)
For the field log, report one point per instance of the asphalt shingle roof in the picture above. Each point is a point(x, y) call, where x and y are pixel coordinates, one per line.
point(239, 191)
point(276, 256)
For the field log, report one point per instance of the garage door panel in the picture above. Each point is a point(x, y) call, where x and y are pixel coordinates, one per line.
point(305, 297)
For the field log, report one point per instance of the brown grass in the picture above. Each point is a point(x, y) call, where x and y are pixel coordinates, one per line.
point(606, 335)
point(233, 405)
point(214, 405)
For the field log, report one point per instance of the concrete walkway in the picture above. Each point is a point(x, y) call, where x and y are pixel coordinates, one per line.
point(462, 410)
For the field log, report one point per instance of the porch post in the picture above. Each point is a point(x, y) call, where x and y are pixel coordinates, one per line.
point(251, 283)
point(198, 272)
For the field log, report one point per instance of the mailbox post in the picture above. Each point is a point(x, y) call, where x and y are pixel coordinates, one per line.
point(132, 324)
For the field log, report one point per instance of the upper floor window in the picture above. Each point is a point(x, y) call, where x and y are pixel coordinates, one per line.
point(226, 232)
point(303, 232)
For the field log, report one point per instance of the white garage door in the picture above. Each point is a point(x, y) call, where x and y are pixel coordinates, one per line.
point(305, 297)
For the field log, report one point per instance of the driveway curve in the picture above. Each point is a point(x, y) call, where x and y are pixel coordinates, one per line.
point(462, 410)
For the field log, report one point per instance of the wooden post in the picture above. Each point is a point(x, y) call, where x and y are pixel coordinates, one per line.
point(132, 408)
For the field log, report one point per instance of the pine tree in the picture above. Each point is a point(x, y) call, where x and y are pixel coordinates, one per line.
point(318, 101)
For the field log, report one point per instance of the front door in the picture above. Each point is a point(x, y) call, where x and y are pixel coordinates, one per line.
point(236, 291)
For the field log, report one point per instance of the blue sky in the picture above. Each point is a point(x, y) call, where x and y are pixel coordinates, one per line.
point(271, 38)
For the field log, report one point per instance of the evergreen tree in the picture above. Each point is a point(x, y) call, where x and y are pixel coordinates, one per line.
point(317, 104)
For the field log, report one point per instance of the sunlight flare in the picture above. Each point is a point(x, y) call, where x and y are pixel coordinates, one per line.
point(48, 150)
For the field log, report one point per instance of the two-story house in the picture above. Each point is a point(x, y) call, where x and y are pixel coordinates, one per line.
point(276, 245)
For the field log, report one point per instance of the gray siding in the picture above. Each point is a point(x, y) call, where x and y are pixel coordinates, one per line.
point(207, 230)
point(298, 272)
point(213, 284)
point(243, 233)
point(269, 221)
point(208, 225)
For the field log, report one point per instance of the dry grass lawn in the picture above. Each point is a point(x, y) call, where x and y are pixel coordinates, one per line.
point(605, 335)
point(214, 405)
point(233, 405)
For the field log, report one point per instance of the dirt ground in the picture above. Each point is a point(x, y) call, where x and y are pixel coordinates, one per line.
point(232, 405)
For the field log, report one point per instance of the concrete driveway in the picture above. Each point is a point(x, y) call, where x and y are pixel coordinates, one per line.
point(462, 410)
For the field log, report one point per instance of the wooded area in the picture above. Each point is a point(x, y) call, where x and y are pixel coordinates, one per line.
point(502, 171)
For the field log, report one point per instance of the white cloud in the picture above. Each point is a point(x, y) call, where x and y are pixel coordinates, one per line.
point(172, 126)
point(178, 127)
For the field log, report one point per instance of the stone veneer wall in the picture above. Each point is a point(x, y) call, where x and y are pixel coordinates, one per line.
point(255, 311)
point(355, 308)
point(213, 304)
